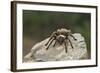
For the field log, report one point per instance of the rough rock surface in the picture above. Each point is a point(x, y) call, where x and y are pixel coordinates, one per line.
point(57, 53)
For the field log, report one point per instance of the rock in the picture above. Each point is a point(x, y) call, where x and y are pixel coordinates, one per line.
point(57, 53)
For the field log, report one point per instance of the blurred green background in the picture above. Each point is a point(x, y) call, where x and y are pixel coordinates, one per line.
point(38, 25)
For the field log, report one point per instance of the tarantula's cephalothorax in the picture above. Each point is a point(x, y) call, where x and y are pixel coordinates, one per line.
point(60, 36)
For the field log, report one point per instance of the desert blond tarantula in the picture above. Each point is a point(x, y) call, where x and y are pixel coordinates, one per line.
point(62, 37)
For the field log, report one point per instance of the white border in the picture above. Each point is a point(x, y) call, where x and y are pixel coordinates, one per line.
point(21, 65)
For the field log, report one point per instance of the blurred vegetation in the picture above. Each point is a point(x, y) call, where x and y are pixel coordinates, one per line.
point(38, 25)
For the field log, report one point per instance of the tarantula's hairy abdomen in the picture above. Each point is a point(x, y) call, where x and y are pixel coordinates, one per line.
point(63, 30)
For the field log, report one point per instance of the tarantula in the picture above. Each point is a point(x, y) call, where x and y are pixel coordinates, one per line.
point(60, 36)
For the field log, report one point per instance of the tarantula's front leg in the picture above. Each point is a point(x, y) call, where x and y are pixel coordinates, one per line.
point(73, 37)
point(65, 43)
point(51, 37)
point(50, 43)
point(70, 43)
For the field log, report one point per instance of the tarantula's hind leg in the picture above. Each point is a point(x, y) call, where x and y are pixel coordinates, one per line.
point(48, 41)
point(49, 44)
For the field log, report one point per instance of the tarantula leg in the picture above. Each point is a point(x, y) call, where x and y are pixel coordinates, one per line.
point(65, 47)
point(48, 41)
point(73, 37)
point(70, 43)
point(55, 43)
point(49, 44)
